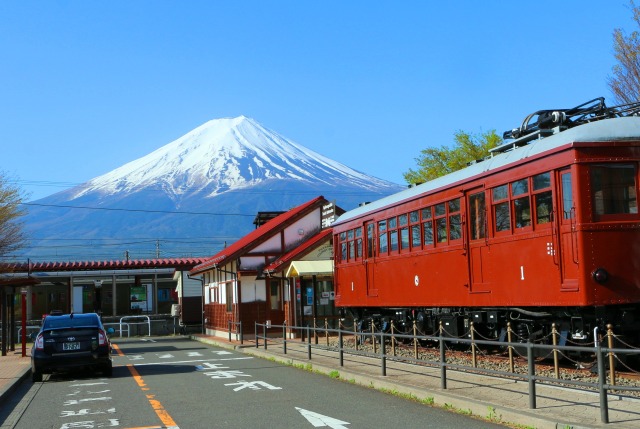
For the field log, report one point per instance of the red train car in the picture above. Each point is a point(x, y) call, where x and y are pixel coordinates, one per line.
point(545, 230)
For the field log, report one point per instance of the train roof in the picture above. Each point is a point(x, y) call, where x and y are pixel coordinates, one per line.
point(623, 128)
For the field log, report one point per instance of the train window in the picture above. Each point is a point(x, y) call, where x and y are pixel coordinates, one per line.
point(614, 189)
point(501, 210)
point(500, 193)
point(567, 197)
point(542, 181)
point(393, 240)
point(415, 236)
point(427, 226)
point(520, 187)
point(426, 213)
point(414, 216)
point(352, 250)
point(359, 248)
point(404, 238)
point(343, 236)
point(455, 225)
point(543, 202)
point(382, 239)
point(441, 227)
point(350, 234)
point(440, 209)
point(371, 240)
point(522, 212)
point(403, 220)
point(477, 216)
point(343, 251)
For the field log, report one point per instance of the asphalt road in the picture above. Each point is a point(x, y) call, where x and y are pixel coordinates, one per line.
point(179, 383)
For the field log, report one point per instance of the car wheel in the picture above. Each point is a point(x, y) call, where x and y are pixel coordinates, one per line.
point(108, 370)
point(36, 376)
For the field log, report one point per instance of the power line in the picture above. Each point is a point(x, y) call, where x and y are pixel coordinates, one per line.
point(136, 210)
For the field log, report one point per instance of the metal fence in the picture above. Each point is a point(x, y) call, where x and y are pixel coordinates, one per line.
point(384, 341)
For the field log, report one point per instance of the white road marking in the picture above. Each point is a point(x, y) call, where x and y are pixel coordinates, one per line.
point(320, 421)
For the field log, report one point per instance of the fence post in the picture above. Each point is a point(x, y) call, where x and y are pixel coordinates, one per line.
point(602, 378)
point(532, 373)
point(554, 336)
point(284, 337)
point(340, 345)
point(256, 332)
point(229, 329)
point(509, 347)
point(443, 358)
point(612, 362)
point(383, 355)
point(264, 331)
point(474, 358)
point(308, 343)
point(241, 334)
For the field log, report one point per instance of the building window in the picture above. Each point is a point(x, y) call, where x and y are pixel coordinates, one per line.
point(275, 298)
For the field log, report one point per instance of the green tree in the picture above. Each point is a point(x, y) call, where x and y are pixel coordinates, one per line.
point(438, 161)
point(12, 235)
point(625, 81)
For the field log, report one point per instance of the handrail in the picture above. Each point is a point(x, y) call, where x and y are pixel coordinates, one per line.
point(148, 322)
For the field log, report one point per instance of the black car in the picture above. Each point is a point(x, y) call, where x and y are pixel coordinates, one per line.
point(69, 342)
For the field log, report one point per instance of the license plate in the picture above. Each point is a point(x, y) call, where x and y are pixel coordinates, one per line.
point(71, 346)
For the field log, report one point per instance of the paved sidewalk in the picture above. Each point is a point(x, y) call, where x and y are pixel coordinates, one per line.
point(504, 401)
point(13, 369)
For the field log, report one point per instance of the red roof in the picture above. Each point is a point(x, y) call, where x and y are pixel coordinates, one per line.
point(258, 235)
point(177, 263)
point(299, 251)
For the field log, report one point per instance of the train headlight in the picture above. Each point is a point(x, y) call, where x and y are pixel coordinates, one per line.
point(600, 275)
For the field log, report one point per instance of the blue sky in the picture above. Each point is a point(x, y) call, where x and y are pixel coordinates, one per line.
point(88, 86)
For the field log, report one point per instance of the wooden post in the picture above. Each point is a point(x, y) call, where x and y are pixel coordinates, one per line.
point(415, 340)
point(612, 362)
point(393, 339)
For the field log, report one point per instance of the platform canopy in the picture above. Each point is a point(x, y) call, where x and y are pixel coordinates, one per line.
point(310, 268)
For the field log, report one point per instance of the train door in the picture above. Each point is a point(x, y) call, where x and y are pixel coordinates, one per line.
point(477, 240)
point(568, 245)
point(369, 257)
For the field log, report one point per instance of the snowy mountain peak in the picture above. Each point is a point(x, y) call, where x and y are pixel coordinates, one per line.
point(221, 155)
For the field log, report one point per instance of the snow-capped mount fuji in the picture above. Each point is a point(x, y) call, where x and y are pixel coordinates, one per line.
point(227, 168)
point(222, 155)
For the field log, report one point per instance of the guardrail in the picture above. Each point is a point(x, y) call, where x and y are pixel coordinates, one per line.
point(148, 323)
point(380, 340)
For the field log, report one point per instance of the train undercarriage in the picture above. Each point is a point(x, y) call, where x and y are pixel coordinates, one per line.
point(574, 326)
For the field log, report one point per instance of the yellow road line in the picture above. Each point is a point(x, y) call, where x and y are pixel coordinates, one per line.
point(163, 414)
